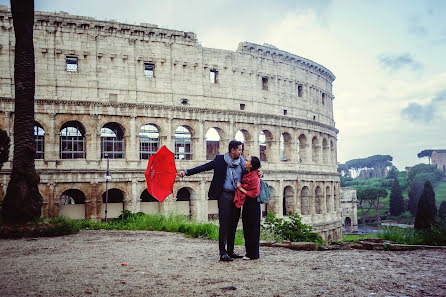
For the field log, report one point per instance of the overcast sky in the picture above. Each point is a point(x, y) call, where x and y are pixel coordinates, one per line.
point(388, 57)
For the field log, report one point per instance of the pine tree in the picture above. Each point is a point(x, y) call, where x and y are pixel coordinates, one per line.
point(414, 195)
point(427, 211)
point(396, 199)
point(442, 212)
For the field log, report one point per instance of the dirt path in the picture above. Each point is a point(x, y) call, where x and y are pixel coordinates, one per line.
point(167, 264)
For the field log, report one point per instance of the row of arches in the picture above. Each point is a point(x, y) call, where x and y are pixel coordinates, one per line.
point(304, 149)
point(304, 202)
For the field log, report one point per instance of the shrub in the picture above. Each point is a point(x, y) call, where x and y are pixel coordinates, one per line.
point(292, 229)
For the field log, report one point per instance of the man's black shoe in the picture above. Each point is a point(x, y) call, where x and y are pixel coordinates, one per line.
point(225, 258)
point(235, 256)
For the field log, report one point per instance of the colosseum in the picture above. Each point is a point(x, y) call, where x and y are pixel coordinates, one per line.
point(108, 92)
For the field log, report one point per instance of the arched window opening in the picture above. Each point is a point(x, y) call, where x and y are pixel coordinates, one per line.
point(148, 141)
point(183, 195)
point(319, 200)
point(305, 201)
point(328, 200)
point(288, 200)
point(262, 145)
point(303, 154)
point(183, 149)
point(316, 150)
point(146, 197)
point(183, 203)
point(112, 141)
point(72, 141)
point(114, 196)
point(39, 139)
point(285, 147)
point(348, 223)
point(326, 151)
point(72, 196)
point(243, 136)
point(239, 136)
point(212, 143)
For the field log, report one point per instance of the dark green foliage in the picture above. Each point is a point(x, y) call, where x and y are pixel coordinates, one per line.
point(292, 229)
point(393, 173)
point(396, 199)
point(370, 162)
point(52, 228)
point(415, 191)
point(425, 153)
point(423, 172)
point(435, 236)
point(442, 213)
point(4, 147)
point(427, 210)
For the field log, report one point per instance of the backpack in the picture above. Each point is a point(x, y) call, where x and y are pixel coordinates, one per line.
point(264, 192)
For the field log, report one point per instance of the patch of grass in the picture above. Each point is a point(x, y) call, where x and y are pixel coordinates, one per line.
point(356, 238)
point(440, 193)
point(40, 228)
point(435, 236)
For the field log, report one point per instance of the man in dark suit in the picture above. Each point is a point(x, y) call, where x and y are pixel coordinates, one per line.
point(228, 170)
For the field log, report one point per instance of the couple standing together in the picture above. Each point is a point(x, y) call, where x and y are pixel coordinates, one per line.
point(235, 183)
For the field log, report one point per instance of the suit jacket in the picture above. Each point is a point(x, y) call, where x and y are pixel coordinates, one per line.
point(219, 166)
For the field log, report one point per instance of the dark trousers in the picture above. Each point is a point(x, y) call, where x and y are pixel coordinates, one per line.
point(251, 227)
point(228, 216)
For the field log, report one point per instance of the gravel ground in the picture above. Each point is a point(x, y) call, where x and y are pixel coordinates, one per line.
point(167, 264)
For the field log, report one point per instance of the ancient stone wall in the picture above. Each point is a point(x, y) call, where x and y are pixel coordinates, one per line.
point(349, 205)
point(439, 159)
point(99, 84)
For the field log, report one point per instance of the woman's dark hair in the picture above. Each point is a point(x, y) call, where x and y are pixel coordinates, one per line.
point(234, 144)
point(255, 163)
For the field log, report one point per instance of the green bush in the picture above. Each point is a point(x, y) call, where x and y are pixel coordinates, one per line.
point(435, 236)
point(292, 229)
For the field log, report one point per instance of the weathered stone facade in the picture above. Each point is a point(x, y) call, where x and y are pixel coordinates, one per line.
point(438, 158)
point(99, 82)
point(349, 205)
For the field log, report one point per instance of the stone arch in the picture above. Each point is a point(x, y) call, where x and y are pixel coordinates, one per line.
point(114, 205)
point(149, 140)
point(185, 202)
point(148, 203)
point(325, 152)
point(305, 199)
point(319, 200)
point(265, 146)
point(303, 149)
point(288, 200)
point(273, 201)
point(72, 140)
point(245, 137)
point(328, 200)
point(336, 197)
point(316, 149)
point(72, 204)
point(286, 147)
point(348, 224)
point(332, 152)
point(112, 141)
point(183, 143)
point(39, 141)
point(214, 146)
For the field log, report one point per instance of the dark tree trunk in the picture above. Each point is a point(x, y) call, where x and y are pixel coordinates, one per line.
point(23, 201)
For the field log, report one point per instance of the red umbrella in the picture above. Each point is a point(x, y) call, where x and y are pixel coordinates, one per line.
point(160, 174)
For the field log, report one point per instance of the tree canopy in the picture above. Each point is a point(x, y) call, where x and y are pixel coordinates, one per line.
point(422, 172)
point(427, 210)
point(379, 161)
